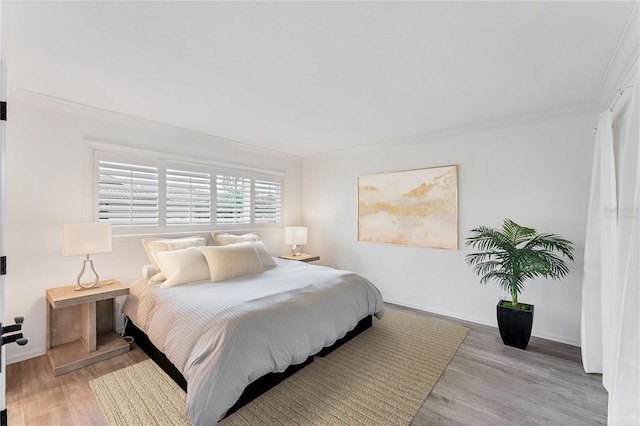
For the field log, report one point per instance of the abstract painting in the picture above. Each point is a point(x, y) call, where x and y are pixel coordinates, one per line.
point(413, 207)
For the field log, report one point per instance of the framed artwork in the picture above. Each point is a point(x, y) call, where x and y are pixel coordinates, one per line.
point(413, 208)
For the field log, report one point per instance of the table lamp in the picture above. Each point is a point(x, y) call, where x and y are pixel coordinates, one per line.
point(85, 239)
point(295, 236)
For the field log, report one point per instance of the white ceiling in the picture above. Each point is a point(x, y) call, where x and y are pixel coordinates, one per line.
point(312, 77)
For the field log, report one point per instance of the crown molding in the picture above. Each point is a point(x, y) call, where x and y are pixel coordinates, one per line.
point(40, 100)
point(623, 62)
point(589, 107)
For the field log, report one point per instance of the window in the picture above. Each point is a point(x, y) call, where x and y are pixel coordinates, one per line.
point(128, 194)
point(136, 191)
point(267, 201)
point(233, 205)
point(188, 197)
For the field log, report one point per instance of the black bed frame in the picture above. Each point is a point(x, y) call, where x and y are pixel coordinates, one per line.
point(254, 389)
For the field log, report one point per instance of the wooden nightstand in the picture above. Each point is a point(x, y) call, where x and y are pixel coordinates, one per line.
point(81, 324)
point(302, 257)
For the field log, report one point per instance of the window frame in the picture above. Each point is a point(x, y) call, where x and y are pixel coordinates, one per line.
point(267, 179)
point(186, 168)
point(238, 176)
point(164, 161)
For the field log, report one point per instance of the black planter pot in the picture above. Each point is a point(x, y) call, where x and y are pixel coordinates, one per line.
point(515, 325)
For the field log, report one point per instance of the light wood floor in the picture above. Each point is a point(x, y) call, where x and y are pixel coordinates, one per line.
point(486, 383)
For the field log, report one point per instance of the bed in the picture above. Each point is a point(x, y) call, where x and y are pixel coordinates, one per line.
point(224, 337)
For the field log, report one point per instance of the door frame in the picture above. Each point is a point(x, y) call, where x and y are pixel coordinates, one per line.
point(3, 92)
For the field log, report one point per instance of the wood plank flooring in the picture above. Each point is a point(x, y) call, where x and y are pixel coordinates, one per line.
point(36, 397)
point(486, 383)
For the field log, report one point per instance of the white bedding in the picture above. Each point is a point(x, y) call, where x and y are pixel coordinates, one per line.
point(222, 336)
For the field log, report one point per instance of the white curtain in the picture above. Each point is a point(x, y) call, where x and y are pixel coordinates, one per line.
point(598, 251)
point(624, 365)
point(611, 286)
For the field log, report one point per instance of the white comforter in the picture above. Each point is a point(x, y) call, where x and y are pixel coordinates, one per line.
point(222, 336)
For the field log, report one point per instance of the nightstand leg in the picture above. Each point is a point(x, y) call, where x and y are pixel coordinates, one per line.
point(49, 314)
point(89, 337)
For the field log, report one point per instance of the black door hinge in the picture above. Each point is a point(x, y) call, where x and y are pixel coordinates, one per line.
point(3, 265)
point(3, 111)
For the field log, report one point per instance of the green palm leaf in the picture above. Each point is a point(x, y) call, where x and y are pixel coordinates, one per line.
point(515, 254)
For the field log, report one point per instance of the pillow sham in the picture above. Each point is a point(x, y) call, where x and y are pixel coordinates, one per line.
point(224, 238)
point(152, 245)
point(263, 253)
point(232, 261)
point(182, 266)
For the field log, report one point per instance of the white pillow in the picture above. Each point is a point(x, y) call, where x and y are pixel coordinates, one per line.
point(263, 253)
point(157, 278)
point(232, 261)
point(148, 271)
point(182, 266)
point(152, 245)
point(223, 238)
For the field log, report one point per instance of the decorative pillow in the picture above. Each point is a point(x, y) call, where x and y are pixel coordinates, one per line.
point(148, 271)
point(263, 253)
point(152, 245)
point(232, 261)
point(182, 266)
point(152, 275)
point(224, 239)
point(157, 278)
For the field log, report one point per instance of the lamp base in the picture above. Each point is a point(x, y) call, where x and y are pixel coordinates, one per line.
point(87, 286)
point(295, 250)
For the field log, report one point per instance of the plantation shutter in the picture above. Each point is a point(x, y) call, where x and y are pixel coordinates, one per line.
point(188, 197)
point(233, 199)
point(144, 190)
point(128, 194)
point(267, 201)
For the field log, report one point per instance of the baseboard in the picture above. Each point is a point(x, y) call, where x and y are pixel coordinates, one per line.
point(24, 355)
point(445, 313)
point(477, 320)
point(557, 338)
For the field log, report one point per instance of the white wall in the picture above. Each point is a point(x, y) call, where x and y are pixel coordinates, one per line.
point(46, 168)
point(537, 174)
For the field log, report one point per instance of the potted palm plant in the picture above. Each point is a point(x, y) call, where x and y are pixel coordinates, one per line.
point(510, 257)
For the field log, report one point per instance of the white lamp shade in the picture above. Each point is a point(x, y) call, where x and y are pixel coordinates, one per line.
point(295, 235)
point(86, 238)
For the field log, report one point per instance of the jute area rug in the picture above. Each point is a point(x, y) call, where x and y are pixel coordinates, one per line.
point(381, 377)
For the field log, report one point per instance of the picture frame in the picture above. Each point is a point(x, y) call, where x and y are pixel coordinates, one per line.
point(416, 208)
